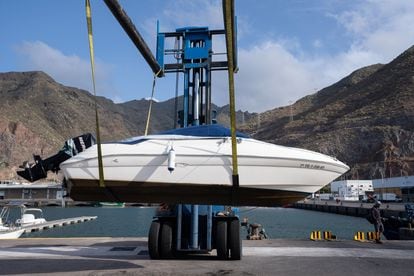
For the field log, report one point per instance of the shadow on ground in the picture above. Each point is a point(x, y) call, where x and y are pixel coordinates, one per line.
point(30, 266)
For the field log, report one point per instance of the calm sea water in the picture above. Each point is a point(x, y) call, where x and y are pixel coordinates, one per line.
point(135, 222)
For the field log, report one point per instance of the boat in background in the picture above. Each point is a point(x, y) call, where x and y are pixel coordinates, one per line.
point(11, 234)
point(8, 227)
point(30, 216)
point(193, 165)
point(110, 204)
point(15, 216)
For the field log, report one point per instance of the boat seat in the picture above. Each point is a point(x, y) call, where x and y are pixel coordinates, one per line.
point(27, 218)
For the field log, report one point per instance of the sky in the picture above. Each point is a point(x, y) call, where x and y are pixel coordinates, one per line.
point(286, 49)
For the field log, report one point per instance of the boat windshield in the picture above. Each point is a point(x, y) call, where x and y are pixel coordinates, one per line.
point(195, 131)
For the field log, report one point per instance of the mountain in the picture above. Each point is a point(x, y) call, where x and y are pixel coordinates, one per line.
point(38, 114)
point(365, 120)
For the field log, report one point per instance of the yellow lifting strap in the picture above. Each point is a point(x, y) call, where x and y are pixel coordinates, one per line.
point(98, 136)
point(228, 7)
point(150, 104)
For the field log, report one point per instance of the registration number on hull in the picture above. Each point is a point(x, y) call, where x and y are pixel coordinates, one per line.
point(312, 166)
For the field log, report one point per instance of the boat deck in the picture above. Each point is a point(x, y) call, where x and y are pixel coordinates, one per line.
point(129, 256)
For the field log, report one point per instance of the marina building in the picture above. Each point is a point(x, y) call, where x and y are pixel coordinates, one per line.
point(386, 189)
point(402, 187)
point(37, 194)
point(351, 189)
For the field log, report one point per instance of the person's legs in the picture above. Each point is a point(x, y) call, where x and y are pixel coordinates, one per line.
point(379, 228)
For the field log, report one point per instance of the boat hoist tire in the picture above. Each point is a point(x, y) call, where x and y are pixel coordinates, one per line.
point(221, 240)
point(166, 240)
point(234, 240)
point(153, 240)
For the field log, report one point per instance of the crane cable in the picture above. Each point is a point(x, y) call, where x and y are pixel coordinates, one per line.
point(150, 104)
point(98, 136)
point(228, 7)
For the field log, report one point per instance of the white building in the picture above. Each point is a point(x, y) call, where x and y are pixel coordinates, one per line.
point(403, 187)
point(351, 189)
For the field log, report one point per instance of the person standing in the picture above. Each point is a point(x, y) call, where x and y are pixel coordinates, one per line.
point(376, 215)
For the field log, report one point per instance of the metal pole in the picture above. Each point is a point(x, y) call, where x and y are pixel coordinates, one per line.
point(177, 76)
point(179, 225)
point(186, 98)
point(194, 227)
point(133, 34)
point(196, 95)
point(208, 93)
point(209, 225)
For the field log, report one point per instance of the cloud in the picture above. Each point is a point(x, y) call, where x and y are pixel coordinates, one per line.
point(275, 72)
point(317, 43)
point(183, 13)
point(153, 99)
point(70, 70)
point(269, 76)
point(383, 27)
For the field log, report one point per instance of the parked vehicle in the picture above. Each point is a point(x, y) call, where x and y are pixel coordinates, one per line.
point(389, 197)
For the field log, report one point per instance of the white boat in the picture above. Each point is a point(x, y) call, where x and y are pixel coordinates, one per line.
point(193, 165)
point(31, 216)
point(3, 226)
point(11, 234)
point(111, 204)
point(16, 215)
point(8, 229)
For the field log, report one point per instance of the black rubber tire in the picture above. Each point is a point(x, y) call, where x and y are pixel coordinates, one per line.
point(234, 240)
point(221, 240)
point(153, 240)
point(166, 240)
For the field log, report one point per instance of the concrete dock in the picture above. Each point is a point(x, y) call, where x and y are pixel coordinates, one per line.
point(129, 256)
point(56, 223)
point(349, 208)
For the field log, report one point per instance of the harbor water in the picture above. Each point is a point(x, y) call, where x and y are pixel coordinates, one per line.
point(286, 223)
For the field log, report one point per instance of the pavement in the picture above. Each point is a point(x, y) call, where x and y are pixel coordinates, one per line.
point(129, 256)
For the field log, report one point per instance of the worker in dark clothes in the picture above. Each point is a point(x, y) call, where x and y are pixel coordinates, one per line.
point(379, 227)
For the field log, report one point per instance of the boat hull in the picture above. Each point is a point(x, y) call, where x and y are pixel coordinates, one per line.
point(144, 192)
point(269, 175)
point(13, 234)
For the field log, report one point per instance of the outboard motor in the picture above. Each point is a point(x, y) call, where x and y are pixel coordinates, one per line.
point(39, 169)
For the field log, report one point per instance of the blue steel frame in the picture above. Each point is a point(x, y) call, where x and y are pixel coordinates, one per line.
point(196, 57)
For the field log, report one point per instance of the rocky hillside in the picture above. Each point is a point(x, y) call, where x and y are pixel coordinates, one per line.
point(365, 120)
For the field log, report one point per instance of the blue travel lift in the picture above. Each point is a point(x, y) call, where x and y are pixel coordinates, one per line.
point(193, 228)
point(180, 229)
